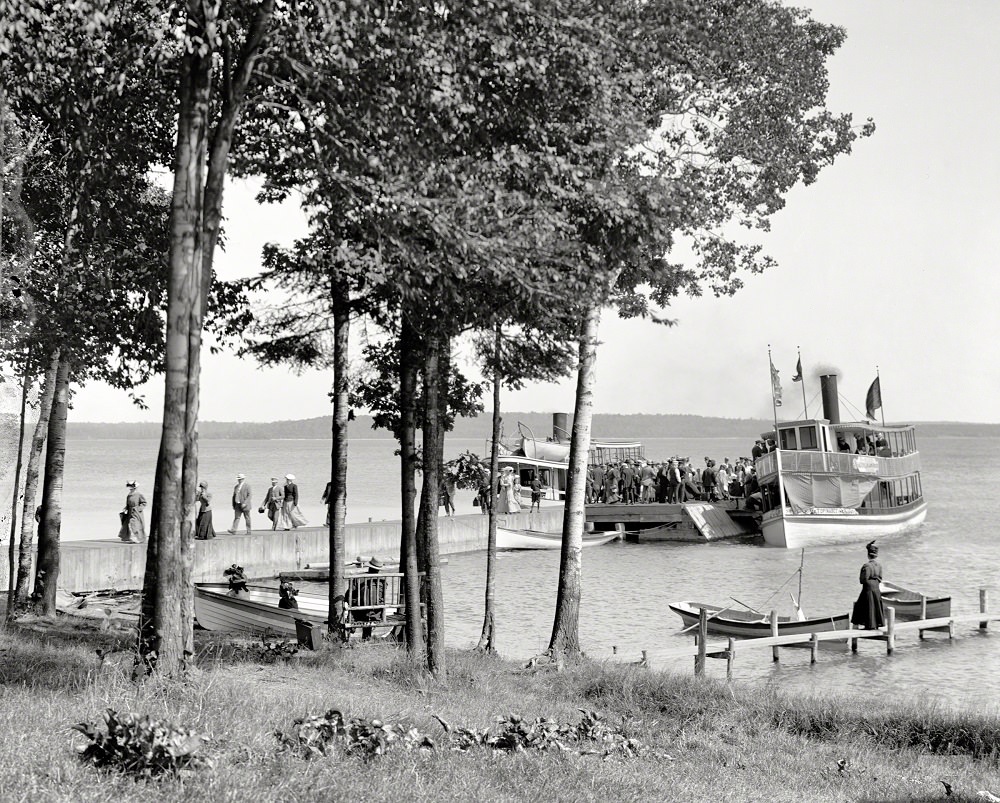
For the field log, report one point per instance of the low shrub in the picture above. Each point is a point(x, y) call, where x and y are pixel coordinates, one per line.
point(141, 746)
point(317, 735)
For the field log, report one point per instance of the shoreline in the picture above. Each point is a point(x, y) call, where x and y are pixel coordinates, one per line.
point(102, 564)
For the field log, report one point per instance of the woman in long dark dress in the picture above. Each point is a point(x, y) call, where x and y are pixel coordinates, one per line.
point(203, 527)
point(133, 530)
point(867, 611)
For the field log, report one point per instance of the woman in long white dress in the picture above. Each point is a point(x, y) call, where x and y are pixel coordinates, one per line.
point(508, 501)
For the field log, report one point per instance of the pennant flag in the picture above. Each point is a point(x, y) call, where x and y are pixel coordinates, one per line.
point(775, 385)
point(798, 371)
point(873, 401)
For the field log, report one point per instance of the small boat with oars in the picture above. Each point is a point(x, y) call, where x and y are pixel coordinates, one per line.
point(375, 602)
point(537, 539)
point(912, 604)
point(750, 624)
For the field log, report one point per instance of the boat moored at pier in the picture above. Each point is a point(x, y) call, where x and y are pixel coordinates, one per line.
point(548, 457)
point(832, 482)
point(751, 624)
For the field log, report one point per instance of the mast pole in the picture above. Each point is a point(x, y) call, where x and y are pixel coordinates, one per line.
point(774, 405)
point(802, 381)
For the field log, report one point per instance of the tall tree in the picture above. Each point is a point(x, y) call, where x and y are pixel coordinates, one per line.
point(726, 104)
point(235, 34)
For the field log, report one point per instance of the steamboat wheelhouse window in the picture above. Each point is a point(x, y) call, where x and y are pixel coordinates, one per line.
point(807, 438)
point(788, 439)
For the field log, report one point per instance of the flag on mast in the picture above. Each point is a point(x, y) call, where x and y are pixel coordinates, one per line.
point(873, 401)
point(798, 371)
point(775, 384)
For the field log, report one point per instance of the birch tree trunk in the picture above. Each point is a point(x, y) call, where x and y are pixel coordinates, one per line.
point(337, 501)
point(487, 640)
point(31, 483)
point(566, 627)
point(433, 405)
point(47, 566)
point(19, 463)
point(408, 552)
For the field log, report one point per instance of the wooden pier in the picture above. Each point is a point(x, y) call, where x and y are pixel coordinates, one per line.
point(690, 521)
point(703, 649)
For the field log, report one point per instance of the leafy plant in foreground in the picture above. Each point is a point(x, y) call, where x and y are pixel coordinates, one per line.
point(317, 735)
point(141, 746)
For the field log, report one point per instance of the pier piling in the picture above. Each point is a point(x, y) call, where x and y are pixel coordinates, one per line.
point(983, 606)
point(699, 659)
point(890, 630)
point(774, 632)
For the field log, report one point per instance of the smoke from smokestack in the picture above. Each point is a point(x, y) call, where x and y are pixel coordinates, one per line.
point(825, 369)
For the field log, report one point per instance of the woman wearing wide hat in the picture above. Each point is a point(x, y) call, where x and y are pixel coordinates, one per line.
point(867, 611)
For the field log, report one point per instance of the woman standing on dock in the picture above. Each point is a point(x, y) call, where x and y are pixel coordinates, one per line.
point(509, 501)
point(204, 528)
point(133, 529)
point(867, 611)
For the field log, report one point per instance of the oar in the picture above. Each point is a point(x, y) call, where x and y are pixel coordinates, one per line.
point(711, 616)
point(748, 607)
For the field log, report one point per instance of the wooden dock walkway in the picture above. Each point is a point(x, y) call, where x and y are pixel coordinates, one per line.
point(690, 521)
point(728, 649)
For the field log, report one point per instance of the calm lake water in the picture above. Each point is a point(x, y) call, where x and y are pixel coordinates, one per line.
point(627, 586)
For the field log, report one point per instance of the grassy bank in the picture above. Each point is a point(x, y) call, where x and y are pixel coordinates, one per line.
point(700, 739)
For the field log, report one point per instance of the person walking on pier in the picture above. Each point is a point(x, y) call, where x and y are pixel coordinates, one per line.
point(867, 611)
point(291, 515)
point(274, 499)
point(204, 528)
point(241, 503)
point(133, 530)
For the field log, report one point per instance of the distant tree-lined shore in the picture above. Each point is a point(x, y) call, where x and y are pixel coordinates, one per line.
point(610, 426)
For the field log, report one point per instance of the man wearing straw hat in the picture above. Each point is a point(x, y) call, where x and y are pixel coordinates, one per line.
point(241, 503)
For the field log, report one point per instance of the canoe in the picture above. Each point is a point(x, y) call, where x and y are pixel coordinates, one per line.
point(907, 603)
point(747, 624)
point(536, 539)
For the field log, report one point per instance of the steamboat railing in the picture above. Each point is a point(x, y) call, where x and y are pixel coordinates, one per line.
point(836, 463)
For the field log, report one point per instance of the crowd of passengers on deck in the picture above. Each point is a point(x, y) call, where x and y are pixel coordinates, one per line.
point(671, 481)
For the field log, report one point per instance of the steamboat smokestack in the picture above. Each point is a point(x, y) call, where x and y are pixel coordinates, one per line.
point(560, 427)
point(831, 401)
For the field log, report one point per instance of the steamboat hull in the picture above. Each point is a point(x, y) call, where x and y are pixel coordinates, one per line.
point(799, 530)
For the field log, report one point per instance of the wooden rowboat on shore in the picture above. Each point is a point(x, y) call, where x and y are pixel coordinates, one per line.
point(536, 539)
point(749, 624)
point(912, 604)
point(256, 609)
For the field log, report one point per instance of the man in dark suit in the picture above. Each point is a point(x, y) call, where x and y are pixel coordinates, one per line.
point(241, 503)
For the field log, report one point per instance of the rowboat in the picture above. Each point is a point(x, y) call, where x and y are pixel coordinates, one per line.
point(255, 610)
point(748, 624)
point(536, 539)
point(912, 604)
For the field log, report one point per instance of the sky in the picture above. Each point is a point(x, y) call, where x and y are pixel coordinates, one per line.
point(889, 260)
